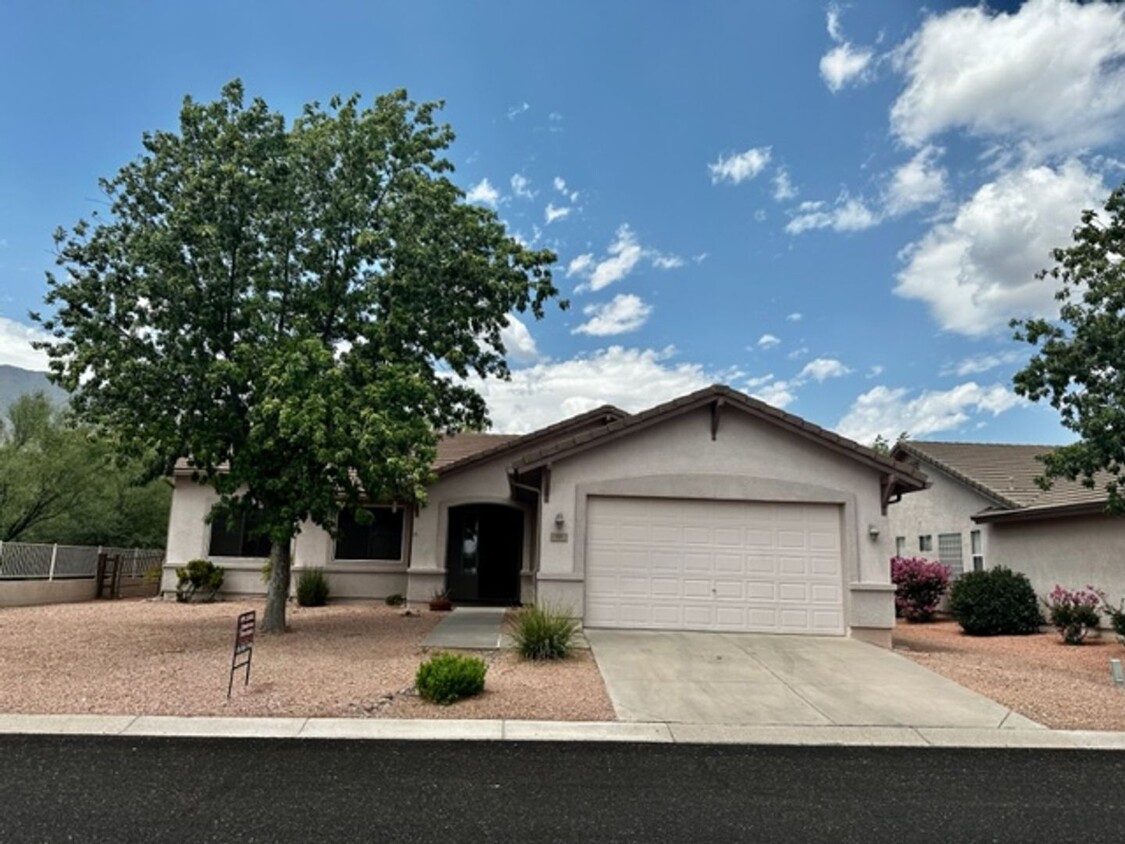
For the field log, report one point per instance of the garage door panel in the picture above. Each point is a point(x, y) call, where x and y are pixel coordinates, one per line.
point(713, 565)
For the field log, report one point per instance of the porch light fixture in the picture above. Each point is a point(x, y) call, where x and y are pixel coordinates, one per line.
point(559, 521)
point(873, 531)
point(1116, 673)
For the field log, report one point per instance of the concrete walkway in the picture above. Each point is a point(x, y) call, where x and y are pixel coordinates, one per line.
point(602, 731)
point(756, 681)
point(469, 628)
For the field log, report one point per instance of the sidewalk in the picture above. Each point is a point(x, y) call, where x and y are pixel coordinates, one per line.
point(594, 731)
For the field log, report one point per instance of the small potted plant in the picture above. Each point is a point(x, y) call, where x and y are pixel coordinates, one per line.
point(439, 601)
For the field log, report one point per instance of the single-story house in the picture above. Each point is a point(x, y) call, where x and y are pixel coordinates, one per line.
point(713, 511)
point(984, 509)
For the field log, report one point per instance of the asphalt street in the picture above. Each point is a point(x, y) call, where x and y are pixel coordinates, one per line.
point(123, 790)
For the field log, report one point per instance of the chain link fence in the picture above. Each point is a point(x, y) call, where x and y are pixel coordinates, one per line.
point(32, 561)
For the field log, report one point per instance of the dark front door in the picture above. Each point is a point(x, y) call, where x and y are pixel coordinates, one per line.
point(484, 553)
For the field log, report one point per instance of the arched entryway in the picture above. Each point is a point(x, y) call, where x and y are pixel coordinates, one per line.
point(484, 553)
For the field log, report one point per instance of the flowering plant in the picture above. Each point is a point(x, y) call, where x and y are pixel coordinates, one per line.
point(1074, 612)
point(919, 585)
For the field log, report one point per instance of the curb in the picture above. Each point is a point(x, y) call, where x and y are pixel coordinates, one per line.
point(136, 726)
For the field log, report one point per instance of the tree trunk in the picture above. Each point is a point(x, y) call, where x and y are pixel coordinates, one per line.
point(277, 593)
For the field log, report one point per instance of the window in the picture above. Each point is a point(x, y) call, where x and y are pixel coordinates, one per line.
point(237, 538)
point(977, 550)
point(379, 538)
point(949, 552)
point(926, 543)
point(900, 546)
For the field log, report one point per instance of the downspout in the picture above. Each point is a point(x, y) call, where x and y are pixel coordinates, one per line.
point(534, 569)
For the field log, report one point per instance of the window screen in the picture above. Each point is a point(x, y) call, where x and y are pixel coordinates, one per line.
point(926, 543)
point(949, 552)
point(380, 538)
point(977, 549)
point(900, 546)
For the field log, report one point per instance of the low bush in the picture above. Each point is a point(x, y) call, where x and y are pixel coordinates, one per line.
point(445, 678)
point(1116, 619)
point(395, 600)
point(995, 602)
point(1074, 612)
point(919, 585)
point(543, 632)
point(312, 588)
point(198, 577)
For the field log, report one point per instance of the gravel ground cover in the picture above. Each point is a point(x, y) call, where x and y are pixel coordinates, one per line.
point(163, 658)
point(1060, 686)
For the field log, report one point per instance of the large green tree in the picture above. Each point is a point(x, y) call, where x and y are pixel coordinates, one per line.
point(1080, 365)
point(290, 307)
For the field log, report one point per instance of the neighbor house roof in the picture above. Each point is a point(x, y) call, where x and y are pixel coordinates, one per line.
point(1005, 473)
point(906, 476)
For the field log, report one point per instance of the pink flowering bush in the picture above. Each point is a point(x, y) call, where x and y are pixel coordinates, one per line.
point(919, 585)
point(1074, 612)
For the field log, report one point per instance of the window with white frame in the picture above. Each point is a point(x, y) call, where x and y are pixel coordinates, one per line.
point(949, 553)
point(900, 546)
point(926, 542)
point(977, 549)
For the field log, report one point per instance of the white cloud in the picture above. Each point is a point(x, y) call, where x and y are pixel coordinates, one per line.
point(796, 316)
point(484, 193)
point(632, 379)
point(758, 381)
point(553, 212)
point(783, 188)
point(975, 364)
point(888, 412)
point(821, 369)
point(768, 341)
point(580, 264)
point(1052, 72)
point(624, 313)
point(777, 393)
point(738, 167)
point(977, 271)
point(847, 215)
point(667, 262)
point(875, 371)
point(798, 353)
point(560, 185)
point(521, 186)
point(917, 183)
point(843, 64)
point(516, 110)
point(518, 341)
point(15, 345)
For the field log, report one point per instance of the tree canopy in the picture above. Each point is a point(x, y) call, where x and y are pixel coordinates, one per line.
point(291, 307)
point(1080, 365)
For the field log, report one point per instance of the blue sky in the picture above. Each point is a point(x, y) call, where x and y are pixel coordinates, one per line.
point(835, 207)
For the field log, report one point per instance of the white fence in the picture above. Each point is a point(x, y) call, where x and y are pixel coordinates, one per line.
point(30, 561)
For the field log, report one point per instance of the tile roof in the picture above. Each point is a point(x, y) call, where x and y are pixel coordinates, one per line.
point(1005, 473)
point(458, 447)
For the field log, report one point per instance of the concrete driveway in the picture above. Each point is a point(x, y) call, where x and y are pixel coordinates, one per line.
point(752, 679)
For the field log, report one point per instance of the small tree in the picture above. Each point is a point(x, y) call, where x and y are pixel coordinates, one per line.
point(289, 308)
point(1080, 366)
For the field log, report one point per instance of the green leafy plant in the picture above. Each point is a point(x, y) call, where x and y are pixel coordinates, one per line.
point(198, 576)
point(995, 602)
point(1116, 617)
point(445, 678)
point(1074, 612)
point(395, 600)
point(543, 632)
point(312, 588)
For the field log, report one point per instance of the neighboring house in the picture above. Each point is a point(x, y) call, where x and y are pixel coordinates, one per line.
point(984, 509)
point(714, 511)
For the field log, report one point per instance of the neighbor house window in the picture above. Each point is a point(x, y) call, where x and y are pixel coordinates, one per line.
point(949, 552)
point(237, 538)
point(900, 546)
point(977, 550)
point(926, 543)
point(376, 538)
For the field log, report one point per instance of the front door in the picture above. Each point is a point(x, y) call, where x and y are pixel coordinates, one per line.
point(484, 553)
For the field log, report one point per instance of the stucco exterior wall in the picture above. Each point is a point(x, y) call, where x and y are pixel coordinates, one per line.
point(750, 460)
point(946, 507)
point(1076, 552)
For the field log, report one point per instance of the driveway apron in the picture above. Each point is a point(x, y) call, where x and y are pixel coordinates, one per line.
point(760, 679)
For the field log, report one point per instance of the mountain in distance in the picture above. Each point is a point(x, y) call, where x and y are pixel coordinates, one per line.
point(16, 382)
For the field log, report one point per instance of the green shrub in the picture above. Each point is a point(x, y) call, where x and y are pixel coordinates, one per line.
point(1116, 619)
point(200, 576)
point(395, 600)
point(543, 632)
point(445, 678)
point(995, 602)
point(312, 588)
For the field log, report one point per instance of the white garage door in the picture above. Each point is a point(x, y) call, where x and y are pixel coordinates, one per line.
point(688, 564)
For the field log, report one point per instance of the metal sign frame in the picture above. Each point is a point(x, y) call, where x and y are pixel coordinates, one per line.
point(243, 652)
